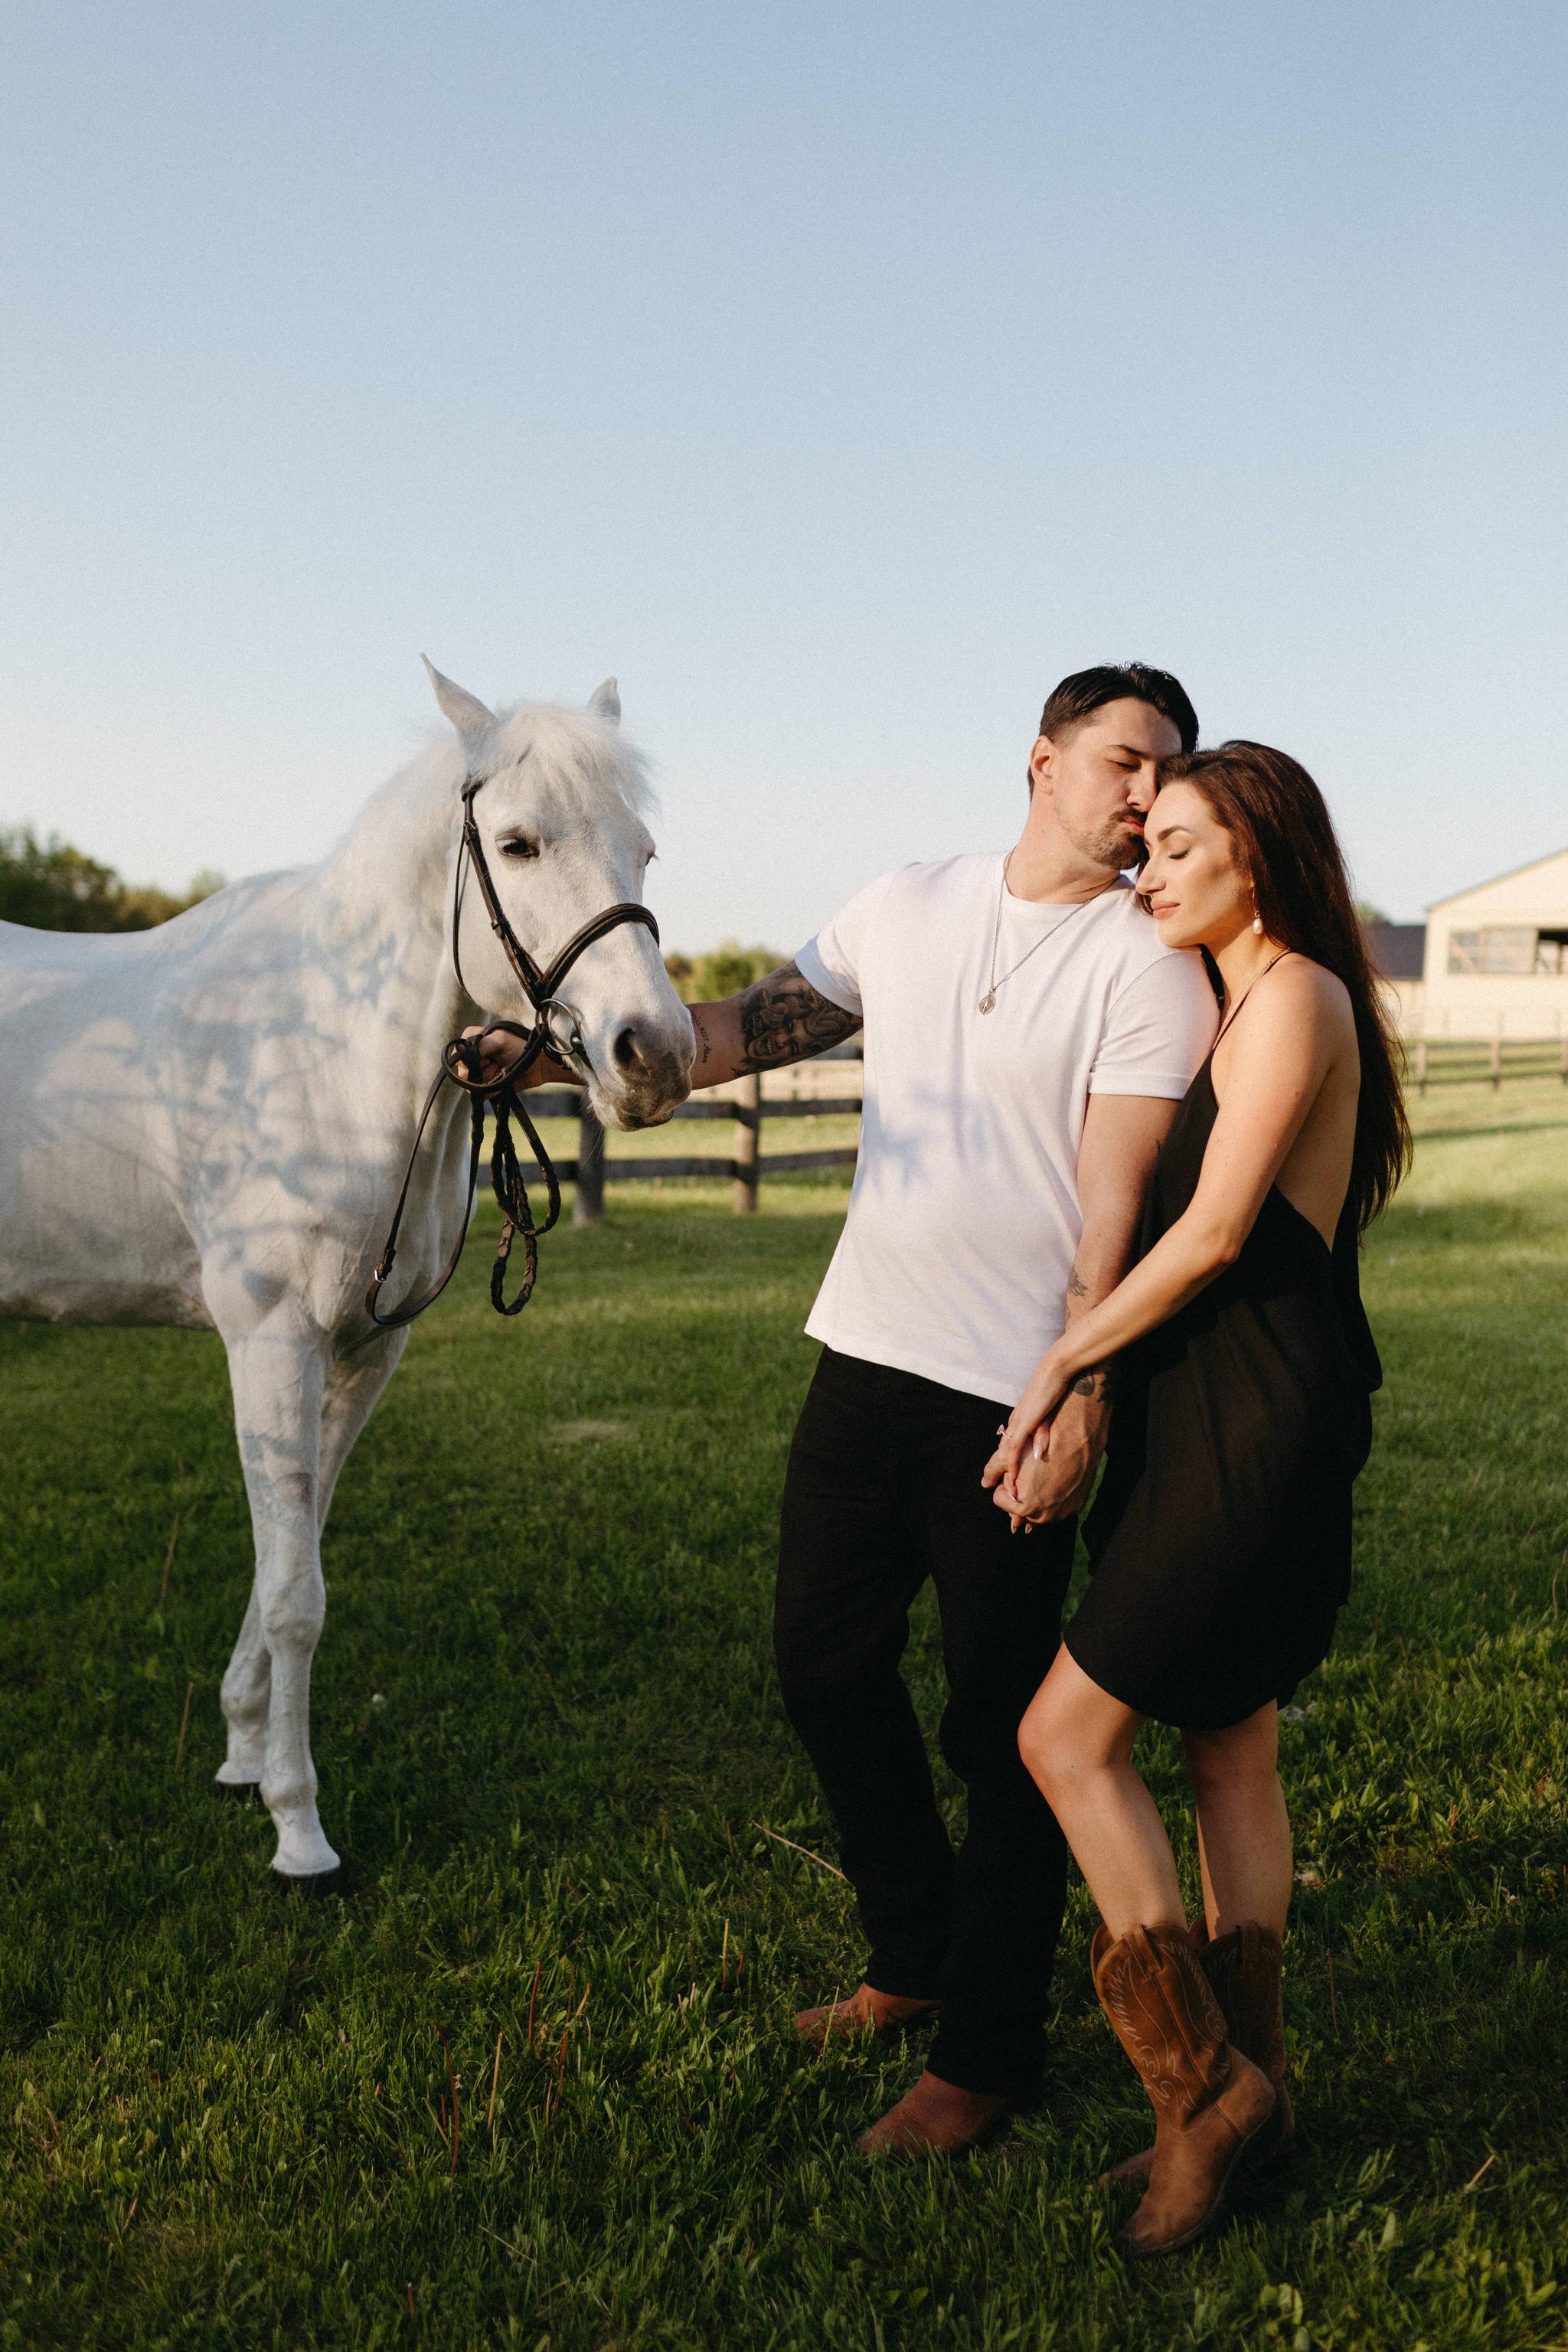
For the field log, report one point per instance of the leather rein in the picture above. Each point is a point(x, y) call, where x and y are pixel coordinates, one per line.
point(462, 1065)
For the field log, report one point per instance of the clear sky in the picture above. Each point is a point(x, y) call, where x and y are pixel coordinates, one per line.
point(837, 377)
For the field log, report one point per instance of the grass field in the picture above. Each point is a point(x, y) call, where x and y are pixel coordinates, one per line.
point(550, 1747)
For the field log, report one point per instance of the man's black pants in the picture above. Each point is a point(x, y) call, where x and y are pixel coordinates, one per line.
point(883, 1490)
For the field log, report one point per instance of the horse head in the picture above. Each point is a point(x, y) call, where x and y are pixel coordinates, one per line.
point(559, 812)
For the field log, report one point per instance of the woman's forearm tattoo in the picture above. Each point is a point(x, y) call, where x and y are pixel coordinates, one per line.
point(784, 1019)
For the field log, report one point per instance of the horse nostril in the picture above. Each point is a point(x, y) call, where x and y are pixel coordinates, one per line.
point(628, 1054)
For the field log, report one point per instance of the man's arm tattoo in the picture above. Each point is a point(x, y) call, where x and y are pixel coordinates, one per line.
point(1096, 1381)
point(784, 1019)
point(704, 1043)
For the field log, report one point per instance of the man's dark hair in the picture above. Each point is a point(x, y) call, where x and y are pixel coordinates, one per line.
point(1090, 690)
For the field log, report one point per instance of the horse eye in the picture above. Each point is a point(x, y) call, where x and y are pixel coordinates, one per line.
point(520, 845)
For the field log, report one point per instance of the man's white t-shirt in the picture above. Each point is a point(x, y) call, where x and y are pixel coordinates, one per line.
point(965, 1217)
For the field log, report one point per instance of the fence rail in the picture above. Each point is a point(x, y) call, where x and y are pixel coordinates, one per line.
point(1429, 1061)
point(745, 1107)
point(1465, 1061)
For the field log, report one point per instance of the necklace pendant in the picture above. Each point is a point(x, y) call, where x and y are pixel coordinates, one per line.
point(988, 1000)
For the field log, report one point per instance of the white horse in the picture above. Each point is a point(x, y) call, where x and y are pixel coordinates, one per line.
point(206, 1124)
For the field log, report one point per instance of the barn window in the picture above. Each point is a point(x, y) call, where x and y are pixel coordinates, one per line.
point(1551, 951)
point(1511, 947)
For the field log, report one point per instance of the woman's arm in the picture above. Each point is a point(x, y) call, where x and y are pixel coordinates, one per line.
point(1280, 1058)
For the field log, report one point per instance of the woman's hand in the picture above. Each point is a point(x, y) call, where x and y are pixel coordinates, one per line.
point(1048, 1384)
point(1030, 1500)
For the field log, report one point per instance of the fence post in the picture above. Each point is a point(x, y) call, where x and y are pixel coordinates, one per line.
point(1421, 1065)
point(1566, 1061)
point(748, 1134)
point(588, 1206)
point(1494, 1061)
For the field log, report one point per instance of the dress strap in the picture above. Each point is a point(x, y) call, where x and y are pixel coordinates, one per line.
point(1245, 993)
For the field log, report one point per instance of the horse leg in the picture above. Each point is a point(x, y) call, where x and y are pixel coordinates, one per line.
point(353, 1385)
point(246, 1688)
point(278, 1371)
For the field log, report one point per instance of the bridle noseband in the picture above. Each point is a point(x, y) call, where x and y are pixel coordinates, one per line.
point(462, 1063)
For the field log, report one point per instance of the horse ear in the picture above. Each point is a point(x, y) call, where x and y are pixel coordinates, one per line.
point(466, 711)
point(604, 702)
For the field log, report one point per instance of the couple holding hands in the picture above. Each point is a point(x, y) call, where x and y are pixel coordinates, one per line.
point(1119, 1142)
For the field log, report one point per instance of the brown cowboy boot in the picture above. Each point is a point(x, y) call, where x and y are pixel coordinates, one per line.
point(1209, 2100)
point(867, 2011)
point(935, 2118)
point(1243, 1968)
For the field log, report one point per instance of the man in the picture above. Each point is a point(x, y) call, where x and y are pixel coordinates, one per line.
point(1027, 1039)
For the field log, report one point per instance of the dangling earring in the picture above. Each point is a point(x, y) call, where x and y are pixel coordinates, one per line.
point(1256, 919)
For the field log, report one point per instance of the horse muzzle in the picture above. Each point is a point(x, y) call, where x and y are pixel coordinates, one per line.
point(647, 1078)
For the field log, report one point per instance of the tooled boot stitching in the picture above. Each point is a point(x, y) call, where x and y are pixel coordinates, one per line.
point(1140, 2018)
point(1245, 1974)
point(1209, 2100)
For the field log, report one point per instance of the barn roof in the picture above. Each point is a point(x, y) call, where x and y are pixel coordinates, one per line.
point(1492, 879)
point(1397, 949)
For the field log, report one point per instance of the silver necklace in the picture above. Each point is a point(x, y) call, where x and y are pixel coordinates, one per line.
point(987, 1003)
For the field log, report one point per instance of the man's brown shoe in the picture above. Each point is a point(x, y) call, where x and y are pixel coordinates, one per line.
point(865, 2011)
point(1245, 1968)
point(1209, 2100)
point(935, 2118)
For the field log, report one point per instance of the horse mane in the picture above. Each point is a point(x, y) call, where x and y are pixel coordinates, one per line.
point(565, 740)
point(568, 744)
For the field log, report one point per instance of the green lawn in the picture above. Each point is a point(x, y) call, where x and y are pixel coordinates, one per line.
point(550, 1746)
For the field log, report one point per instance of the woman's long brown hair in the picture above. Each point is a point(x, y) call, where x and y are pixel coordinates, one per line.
point(1290, 855)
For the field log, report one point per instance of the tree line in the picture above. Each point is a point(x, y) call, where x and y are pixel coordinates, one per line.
point(51, 887)
point(723, 972)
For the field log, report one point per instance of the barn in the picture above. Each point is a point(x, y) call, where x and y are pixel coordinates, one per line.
point(1497, 957)
point(1492, 962)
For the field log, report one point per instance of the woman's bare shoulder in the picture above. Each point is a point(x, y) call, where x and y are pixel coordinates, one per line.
point(1301, 990)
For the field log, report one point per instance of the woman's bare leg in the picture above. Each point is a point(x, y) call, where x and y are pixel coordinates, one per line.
point(1076, 1741)
point(1244, 1830)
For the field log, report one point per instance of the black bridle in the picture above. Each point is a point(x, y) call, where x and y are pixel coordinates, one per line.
point(462, 1063)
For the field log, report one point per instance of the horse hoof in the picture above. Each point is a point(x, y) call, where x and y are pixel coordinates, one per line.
point(310, 1886)
point(240, 1792)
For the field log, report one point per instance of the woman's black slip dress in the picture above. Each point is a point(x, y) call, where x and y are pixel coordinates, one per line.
point(1220, 1539)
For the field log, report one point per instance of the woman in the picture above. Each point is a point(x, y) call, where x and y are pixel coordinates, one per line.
point(1221, 1538)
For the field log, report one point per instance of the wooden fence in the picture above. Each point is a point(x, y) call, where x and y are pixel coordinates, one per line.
point(744, 1105)
point(1468, 1061)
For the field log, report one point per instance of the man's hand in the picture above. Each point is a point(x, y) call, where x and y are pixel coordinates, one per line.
point(1060, 1483)
point(498, 1049)
point(1050, 1479)
point(1020, 1497)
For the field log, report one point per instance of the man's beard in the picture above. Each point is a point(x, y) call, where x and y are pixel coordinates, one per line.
point(1115, 846)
